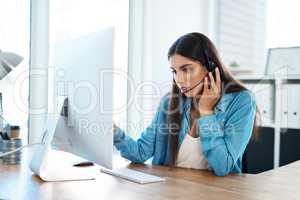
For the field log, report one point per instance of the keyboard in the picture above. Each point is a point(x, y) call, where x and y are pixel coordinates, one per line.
point(133, 175)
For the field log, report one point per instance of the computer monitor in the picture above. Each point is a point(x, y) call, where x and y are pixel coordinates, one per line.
point(82, 73)
point(283, 61)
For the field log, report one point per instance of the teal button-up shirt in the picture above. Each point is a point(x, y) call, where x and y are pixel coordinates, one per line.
point(224, 135)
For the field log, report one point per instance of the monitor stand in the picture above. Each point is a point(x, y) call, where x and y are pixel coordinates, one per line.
point(55, 165)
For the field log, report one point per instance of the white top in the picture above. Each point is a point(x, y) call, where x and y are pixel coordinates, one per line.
point(190, 154)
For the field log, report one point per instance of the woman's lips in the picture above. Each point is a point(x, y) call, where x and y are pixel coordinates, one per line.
point(184, 89)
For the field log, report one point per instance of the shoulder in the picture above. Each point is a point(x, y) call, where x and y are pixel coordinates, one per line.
point(166, 100)
point(242, 99)
point(245, 96)
point(164, 103)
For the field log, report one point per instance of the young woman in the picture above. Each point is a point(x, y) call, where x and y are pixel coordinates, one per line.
point(204, 123)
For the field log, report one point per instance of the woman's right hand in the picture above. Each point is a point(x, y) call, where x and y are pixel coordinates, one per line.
point(118, 134)
point(114, 128)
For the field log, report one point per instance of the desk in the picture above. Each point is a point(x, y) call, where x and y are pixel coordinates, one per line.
point(18, 182)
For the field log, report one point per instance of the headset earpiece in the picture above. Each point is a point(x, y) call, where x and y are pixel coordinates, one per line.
point(210, 64)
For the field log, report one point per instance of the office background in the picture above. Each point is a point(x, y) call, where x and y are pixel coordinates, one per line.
point(242, 30)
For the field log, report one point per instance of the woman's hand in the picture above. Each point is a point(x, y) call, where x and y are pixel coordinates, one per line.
point(114, 127)
point(211, 94)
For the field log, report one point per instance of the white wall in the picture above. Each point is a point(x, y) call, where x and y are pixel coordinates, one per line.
point(154, 26)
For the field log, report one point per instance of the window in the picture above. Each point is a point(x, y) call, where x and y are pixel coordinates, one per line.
point(242, 34)
point(282, 23)
point(15, 37)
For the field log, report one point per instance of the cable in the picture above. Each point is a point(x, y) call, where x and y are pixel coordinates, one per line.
point(18, 149)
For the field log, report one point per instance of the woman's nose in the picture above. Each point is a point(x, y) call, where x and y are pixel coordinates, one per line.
point(179, 78)
point(182, 78)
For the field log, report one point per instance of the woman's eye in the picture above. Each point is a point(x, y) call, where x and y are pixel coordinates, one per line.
point(173, 71)
point(186, 69)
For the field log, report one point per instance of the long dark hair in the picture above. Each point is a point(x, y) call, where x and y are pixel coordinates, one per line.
point(192, 46)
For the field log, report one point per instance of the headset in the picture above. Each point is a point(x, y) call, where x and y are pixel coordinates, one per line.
point(210, 65)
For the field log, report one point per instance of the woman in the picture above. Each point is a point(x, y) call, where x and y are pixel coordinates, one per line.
point(205, 122)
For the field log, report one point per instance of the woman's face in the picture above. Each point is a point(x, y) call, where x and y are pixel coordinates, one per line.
point(187, 74)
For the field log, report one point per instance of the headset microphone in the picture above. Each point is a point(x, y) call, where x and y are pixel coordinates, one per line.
point(194, 86)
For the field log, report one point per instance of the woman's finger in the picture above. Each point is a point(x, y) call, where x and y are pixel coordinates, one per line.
point(205, 85)
point(218, 78)
point(212, 80)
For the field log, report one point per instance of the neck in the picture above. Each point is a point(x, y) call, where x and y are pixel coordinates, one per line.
point(195, 102)
point(194, 107)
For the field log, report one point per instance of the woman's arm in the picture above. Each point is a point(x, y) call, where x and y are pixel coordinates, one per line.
point(142, 149)
point(223, 145)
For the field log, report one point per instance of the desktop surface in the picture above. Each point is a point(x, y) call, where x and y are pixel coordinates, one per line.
point(18, 182)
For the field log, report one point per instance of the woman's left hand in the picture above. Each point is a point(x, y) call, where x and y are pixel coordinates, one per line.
point(210, 95)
